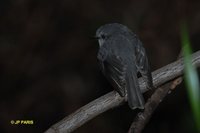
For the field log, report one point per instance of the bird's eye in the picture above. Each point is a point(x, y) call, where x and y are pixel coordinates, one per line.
point(103, 36)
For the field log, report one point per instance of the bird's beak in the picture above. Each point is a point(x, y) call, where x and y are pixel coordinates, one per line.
point(94, 37)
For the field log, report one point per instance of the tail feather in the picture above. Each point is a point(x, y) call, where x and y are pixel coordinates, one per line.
point(135, 97)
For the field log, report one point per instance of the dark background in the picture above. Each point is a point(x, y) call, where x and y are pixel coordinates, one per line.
point(48, 65)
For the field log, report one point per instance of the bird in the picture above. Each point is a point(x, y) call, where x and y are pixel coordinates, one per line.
point(121, 57)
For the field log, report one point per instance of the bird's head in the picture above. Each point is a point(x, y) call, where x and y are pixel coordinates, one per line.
point(107, 31)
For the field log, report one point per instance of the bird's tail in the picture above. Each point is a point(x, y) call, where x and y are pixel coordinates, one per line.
point(135, 97)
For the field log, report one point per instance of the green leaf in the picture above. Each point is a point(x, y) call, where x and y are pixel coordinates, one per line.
point(191, 76)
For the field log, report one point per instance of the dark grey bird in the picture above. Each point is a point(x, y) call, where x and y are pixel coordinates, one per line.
point(121, 56)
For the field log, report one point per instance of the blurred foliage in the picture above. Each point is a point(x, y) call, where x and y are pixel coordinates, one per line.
point(191, 76)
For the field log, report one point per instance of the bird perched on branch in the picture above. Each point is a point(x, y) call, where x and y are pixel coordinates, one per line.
point(121, 56)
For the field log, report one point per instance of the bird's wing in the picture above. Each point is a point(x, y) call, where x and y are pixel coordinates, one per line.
point(120, 69)
point(102, 56)
point(143, 65)
point(114, 69)
point(127, 66)
point(123, 76)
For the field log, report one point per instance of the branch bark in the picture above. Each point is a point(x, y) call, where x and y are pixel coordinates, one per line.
point(142, 118)
point(112, 99)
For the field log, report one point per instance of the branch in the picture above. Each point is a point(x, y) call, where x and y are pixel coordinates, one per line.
point(112, 99)
point(142, 118)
